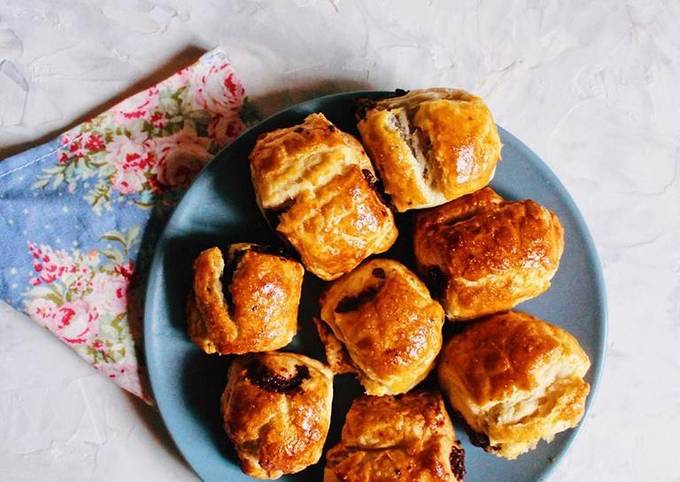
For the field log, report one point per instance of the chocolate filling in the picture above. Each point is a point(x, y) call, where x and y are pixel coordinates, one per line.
point(477, 439)
point(424, 143)
point(418, 142)
point(351, 303)
point(370, 178)
point(436, 280)
point(361, 106)
point(266, 249)
point(273, 214)
point(228, 276)
point(265, 378)
point(458, 462)
point(377, 186)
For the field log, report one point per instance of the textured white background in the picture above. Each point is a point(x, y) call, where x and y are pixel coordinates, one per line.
point(593, 87)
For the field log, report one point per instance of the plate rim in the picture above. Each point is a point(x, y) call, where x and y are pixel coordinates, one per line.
point(592, 253)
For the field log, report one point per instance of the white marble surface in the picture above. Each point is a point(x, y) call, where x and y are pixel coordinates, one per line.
point(593, 87)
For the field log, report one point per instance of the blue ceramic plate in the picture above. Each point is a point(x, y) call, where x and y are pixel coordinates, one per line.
point(220, 208)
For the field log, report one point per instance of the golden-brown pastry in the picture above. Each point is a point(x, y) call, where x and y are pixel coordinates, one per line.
point(250, 306)
point(515, 379)
point(277, 410)
point(480, 254)
point(407, 438)
point(430, 146)
point(383, 324)
point(320, 186)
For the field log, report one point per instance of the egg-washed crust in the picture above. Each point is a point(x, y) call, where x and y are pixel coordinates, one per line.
point(318, 188)
point(286, 162)
point(407, 438)
point(515, 379)
point(337, 357)
point(481, 254)
point(339, 225)
point(276, 409)
point(431, 146)
point(255, 310)
point(385, 319)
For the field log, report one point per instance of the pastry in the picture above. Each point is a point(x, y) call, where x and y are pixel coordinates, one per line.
point(317, 186)
point(380, 322)
point(480, 254)
point(276, 410)
point(430, 146)
point(252, 305)
point(515, 379)
point(407, 438)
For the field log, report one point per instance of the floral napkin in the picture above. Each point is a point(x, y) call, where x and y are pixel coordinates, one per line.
point(79, 216)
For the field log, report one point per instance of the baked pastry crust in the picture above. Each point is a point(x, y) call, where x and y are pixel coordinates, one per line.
point(431, 145)
point(515, 379)
point(480, 254)
point(320, 185)
point(339, 225)
point(383, 317)
point(406, 438)
point(276, 410)
point(260, 309)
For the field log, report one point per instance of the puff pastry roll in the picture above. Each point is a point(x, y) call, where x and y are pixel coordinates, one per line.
point(380, 322)
point(480, 254)
point(318, 186)
point(252, 305)
point(430, 146)
point(277, 410)
point(515, 379)
point(406, 438)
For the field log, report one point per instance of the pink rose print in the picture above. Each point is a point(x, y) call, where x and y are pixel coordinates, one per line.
point(178, 80)
point(139, 106)
point(79, 147)
point(154, 141)
point(138, 153)
point(109, 293)
point(128, 153)
point(82, 297)
point(76, 322)
point(216, 89)
point(225, 128)
point(158, 120)
point(43, 310)
point(49, 265)
point(129, 182)
point(94, 142)
point(131, 160)
point(180, 157)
